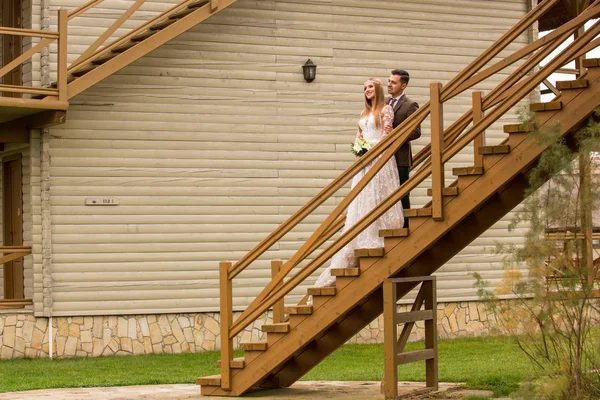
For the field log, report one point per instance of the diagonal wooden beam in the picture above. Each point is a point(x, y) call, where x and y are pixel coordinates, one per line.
point(109, 31)
point(19, 60)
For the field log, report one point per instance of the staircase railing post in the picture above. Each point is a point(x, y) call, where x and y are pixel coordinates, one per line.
point(478, 116)
point(431, 364)
point(437, 147)
point(390, 329)
point(63, 19)
point(226, 301)
point(278, 307)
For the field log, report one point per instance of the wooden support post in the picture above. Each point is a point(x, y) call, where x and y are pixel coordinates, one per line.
point(437, 147)
point(62, 54)
point(478, 116)
point(586, 207)
point(226, 322)
point(579, 60)
point(390, 347)
point(279, 305)
point(391, 317)
point(431, 364)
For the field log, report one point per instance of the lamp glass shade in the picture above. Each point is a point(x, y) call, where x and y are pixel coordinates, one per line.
point(310, 71)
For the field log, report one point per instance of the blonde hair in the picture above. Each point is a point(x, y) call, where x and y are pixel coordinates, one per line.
point(375, 105)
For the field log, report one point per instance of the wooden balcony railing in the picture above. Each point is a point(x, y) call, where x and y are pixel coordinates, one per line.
point(13, 253)
point(55, 98)
point(445, 144)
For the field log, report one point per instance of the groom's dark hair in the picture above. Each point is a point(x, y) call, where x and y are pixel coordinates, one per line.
point(404, 76)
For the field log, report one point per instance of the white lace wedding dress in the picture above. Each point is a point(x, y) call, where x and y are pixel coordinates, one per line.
point(382, 185)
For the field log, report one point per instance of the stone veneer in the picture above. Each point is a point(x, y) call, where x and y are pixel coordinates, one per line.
point(23, 335)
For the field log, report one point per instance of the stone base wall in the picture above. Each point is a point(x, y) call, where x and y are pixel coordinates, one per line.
point(23, 335)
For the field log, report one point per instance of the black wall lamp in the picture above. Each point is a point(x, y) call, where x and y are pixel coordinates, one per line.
point(310, 70)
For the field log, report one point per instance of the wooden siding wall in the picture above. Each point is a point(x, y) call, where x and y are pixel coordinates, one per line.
point(212, 140)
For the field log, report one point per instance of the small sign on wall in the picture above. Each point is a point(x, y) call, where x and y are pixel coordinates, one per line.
point(102, 201)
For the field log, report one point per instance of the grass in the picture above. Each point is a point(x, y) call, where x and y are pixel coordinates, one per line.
point(483, 363)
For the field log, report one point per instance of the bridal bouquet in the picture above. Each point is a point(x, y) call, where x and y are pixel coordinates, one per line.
point(360, 147)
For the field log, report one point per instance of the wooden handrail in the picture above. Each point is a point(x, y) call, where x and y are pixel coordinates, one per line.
point(28, 89)
point(89, 5)
point(28, 33)
point(502, 100)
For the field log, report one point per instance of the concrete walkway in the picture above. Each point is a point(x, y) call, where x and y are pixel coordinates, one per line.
point(299, 391)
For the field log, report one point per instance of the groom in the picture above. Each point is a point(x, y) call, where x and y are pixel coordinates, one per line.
point(403, 108)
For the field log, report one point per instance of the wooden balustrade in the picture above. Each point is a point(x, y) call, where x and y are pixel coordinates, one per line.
point(48, 37)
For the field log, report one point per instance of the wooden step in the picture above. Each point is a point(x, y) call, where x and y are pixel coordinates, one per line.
point(283, 327)
point(236, 363)
point(162, 24)
point(466, 171)
point(574, 84)
point(212, 380)
point(124, 47)
point(349, 272)
point(448, 191)
point(182, 13)
point(392, 237)
point(402, 232)
point(142, 36)
point(84, 70)
point(198, 3)
point(321, 291)
point(299, 310)
point(550, 106)
point(519, 128)
point(105, 58)
point(253, 346)
point(591, 63)
point(498, 149)
point(377, 252)
point(417, 212)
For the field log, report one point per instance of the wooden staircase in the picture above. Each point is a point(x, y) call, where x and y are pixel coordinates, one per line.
point(479, 197)
point(98, 65)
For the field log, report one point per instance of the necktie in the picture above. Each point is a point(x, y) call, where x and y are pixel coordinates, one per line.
point(392, 102)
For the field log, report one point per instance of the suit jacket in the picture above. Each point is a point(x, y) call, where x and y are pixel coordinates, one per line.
point(402, 110)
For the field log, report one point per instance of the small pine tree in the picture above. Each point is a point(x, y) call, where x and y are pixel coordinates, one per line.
point(552, 305)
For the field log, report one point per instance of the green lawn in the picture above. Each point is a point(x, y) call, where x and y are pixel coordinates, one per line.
point(487, 363)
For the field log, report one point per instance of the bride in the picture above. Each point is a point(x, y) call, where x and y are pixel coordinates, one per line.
point(375, 122)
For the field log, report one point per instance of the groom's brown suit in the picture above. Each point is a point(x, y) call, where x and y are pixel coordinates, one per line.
point(403, 108)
